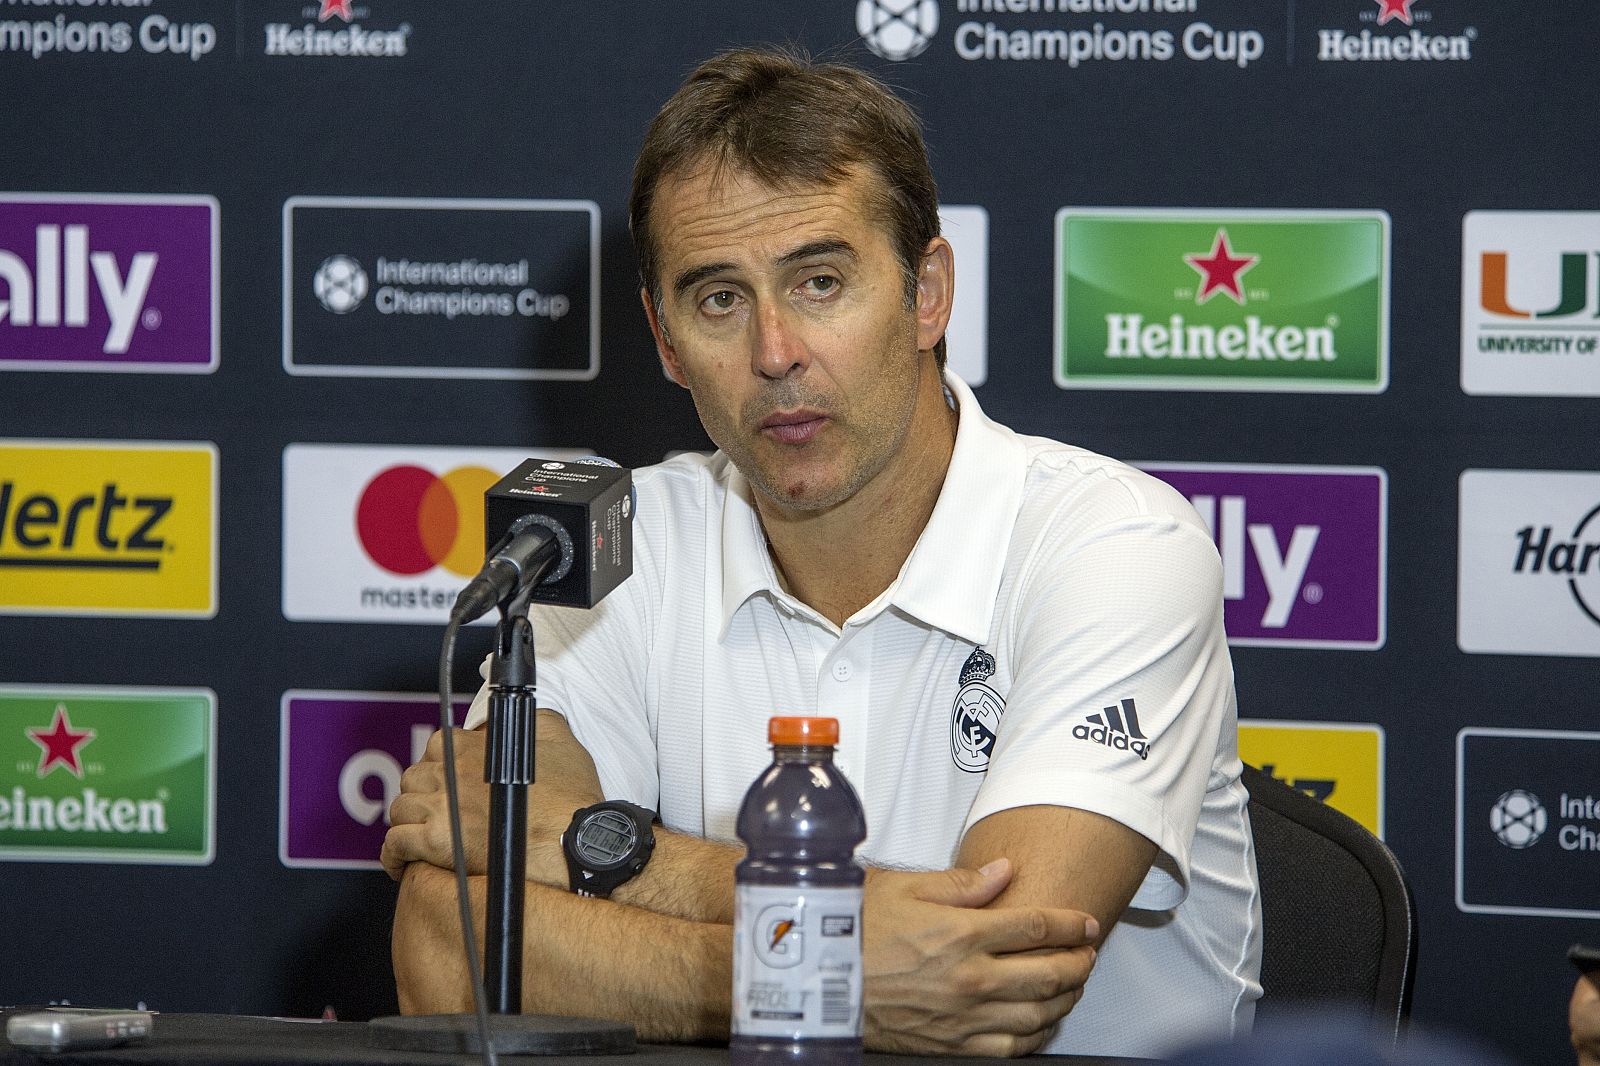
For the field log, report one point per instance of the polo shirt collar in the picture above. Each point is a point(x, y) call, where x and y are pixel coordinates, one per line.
point(746, 562)
point(952, 577)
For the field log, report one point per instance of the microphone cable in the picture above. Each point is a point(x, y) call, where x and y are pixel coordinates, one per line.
point(458, 851)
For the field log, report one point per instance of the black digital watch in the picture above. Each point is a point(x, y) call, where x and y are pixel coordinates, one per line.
point(607, 845)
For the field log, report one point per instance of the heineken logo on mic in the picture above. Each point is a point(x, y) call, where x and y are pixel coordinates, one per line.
point(975, 718)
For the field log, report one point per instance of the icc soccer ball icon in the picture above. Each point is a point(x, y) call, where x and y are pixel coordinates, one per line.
point(1518, 819)
point(340, 284)
point(897, 29)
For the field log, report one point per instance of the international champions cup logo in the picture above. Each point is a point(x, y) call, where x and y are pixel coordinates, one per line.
point(410, 520)
point(897, 29)
point(1518, 819)
point(340, 284)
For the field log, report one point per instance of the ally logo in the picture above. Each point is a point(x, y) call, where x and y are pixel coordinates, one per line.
point(1303, 549)
point(1279, 301)
point(341, 756)
point(107, 774)
point(119, 283)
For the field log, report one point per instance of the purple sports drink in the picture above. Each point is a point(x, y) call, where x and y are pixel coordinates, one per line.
point(797, 973)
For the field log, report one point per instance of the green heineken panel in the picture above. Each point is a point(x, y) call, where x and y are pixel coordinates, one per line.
point(107, 774)
point(1274, 301)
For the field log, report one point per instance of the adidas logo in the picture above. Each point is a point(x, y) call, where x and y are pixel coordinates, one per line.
point(1116, 728)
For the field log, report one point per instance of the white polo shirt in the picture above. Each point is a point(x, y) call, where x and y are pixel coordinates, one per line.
point(1055, 637)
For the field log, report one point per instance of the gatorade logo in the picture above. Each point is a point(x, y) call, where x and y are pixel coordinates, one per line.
point(780, 942)
point(410, 520)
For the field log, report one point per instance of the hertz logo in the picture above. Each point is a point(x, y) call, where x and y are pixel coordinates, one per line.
point(88, 528)
point(41, 523)
point(1338, 763)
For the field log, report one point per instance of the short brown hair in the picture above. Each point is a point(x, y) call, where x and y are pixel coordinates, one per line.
point(786, 120)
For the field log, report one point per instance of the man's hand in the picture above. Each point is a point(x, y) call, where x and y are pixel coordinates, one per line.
point(1584, 1016)
point(565, 780)
point(944, 976)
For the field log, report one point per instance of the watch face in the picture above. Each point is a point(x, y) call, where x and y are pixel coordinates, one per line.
point(605, 839)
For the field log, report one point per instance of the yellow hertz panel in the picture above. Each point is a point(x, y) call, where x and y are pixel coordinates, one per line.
point(1340, 763)
point(108, 528)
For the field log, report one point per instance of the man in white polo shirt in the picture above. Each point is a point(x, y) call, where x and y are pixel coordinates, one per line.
point(1022, 641)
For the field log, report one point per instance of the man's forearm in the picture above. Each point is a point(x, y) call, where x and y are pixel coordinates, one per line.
point(686, 877)
point(690, 877)
point(671, 978)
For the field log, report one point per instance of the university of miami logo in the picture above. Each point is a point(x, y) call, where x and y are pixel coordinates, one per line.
point(1530, 317)
point(975, 718)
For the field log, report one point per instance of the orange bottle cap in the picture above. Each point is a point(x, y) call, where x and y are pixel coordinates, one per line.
point(812, 731)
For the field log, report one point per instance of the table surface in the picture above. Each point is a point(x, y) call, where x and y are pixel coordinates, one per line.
point(234, 1040)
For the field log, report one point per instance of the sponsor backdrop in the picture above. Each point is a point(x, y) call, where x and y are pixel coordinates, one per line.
point(284, 284)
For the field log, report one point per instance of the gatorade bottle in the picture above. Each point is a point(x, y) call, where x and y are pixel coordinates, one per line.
point(797, 972)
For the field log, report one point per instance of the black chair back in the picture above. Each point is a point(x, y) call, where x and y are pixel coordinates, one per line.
point(1338, 920)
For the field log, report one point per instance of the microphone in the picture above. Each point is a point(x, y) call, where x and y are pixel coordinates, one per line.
point(531, 548)
point(568, 536)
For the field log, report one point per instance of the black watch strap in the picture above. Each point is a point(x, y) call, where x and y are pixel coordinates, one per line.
point(606, 845)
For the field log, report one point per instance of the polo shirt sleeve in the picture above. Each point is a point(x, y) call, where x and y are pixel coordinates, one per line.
point(1122, 692)
point(591, 667)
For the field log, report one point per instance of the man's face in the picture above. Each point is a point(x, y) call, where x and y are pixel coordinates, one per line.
point(784, 313)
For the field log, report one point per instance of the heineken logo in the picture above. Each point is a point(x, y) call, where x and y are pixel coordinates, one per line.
point(60, 744)
point(1130, 337)
point(1395, 9)
point(1405, 40)
point(1281, 301)
point(106, 775)
point(84, 812)
point(1220, 270)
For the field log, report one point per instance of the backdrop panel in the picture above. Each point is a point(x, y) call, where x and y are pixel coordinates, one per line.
point(282, 283)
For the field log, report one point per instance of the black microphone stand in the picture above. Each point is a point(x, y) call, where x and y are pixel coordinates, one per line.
point(508, 768)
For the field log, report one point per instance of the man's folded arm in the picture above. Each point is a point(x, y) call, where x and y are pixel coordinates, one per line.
point(1064, 857)
point(671, 978)
point(943, 974)
point(687, 876)
point(1151, 639)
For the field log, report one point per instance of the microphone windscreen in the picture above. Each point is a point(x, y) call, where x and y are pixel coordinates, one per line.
point(592, 502)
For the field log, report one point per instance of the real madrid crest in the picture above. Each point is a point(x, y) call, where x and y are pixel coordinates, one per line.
point(975, 718)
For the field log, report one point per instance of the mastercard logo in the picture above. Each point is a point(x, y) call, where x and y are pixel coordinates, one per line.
point(410, 520)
